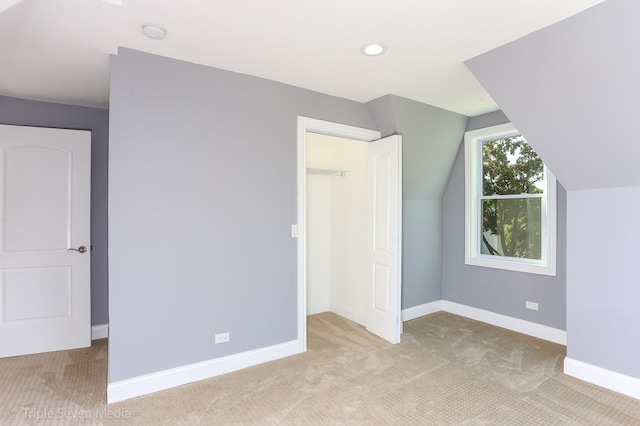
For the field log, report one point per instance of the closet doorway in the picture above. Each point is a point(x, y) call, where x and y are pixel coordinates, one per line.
point(349, 219)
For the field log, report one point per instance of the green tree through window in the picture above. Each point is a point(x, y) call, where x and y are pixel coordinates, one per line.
point(512, 188)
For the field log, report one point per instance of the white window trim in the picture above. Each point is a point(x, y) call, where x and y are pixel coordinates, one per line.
point(473, 179)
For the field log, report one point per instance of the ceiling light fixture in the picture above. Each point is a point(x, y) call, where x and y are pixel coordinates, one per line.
point(373, 49)
point(154, 32)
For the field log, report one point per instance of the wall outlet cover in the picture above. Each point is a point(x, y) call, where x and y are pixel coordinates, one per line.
point(531, 305)
point(222, 338)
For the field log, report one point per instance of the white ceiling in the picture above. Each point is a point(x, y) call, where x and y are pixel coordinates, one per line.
point(58, 50)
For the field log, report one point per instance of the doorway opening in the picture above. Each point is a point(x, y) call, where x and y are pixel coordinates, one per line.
point(337, 229)
point(349, 214)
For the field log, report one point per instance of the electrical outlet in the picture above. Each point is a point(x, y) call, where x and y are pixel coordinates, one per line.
point(531, 305)
point(222, 338)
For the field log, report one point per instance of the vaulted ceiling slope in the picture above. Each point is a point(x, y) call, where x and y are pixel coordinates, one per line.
point(58, 50)
point(573, 90)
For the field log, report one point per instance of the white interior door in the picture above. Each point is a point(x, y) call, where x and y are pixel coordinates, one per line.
point(45, 206)
point(385, 170)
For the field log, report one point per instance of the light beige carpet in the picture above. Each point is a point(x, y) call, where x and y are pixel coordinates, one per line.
point(448, 370)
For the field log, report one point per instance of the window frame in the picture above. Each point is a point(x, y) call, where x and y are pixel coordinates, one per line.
point(473, 200)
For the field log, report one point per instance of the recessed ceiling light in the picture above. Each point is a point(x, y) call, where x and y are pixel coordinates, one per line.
point(373, 49)
point(154, 32)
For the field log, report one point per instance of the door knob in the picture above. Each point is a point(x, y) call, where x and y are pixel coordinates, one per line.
point(81, 249)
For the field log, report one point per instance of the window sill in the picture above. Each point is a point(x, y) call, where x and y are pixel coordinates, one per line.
point(512, 265)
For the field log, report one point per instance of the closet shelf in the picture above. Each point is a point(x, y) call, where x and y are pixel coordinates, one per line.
point(325, 171)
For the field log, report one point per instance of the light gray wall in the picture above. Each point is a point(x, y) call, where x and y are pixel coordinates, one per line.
point(45, 114)
point(430, 139)
point(487, 120)
point(433, 136)
point(574, 95)
point(202, 196)
point(382, 111)
point(572, 88)
point(421, 252)
point(603, 287)
point(495, 290)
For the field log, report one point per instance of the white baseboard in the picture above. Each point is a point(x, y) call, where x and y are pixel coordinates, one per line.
point(318, 308)
point(99, 331)
point(607, 379)
point(515, 324)
point(349, 314)
point(421, 310)
point(149, 383)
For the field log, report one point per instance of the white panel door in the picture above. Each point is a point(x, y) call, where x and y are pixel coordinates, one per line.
point(45, 206)
point(385, 170)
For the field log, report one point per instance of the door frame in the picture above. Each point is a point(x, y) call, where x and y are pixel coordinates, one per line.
point(328, 128)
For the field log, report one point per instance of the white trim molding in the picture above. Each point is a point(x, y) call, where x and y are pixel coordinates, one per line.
point(318, 308)
point(312, 125)
point(99, 331)
point(351, 315)
point(421, 310)
point(607, 379)
point(473, 231)
point(514, 324)
point(154, 382)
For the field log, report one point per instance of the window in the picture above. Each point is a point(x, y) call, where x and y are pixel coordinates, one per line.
point(510, 203)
